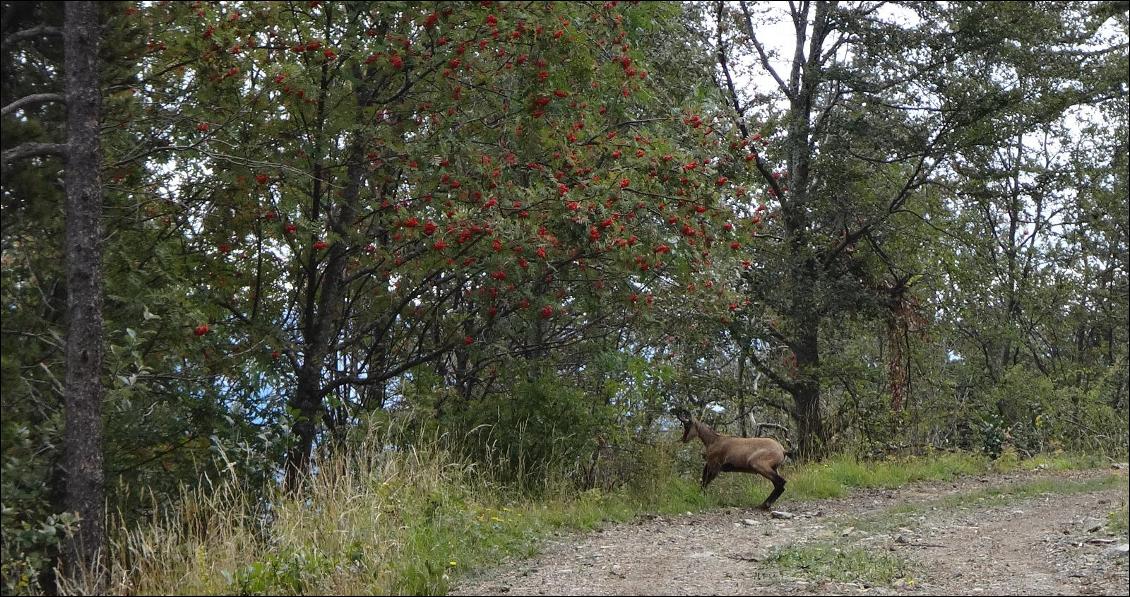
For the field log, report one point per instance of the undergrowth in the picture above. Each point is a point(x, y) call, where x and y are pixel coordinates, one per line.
point(377, 519)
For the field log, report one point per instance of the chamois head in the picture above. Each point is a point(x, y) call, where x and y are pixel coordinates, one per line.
point(690, 431)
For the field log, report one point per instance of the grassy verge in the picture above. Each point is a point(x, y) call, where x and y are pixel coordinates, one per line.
point(409, 522)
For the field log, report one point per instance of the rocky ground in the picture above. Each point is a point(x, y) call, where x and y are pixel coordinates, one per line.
point(978, 535)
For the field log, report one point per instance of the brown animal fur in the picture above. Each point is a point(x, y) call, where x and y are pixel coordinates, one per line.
point(760, 455)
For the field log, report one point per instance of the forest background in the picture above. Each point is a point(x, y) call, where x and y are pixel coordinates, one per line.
point(244, 243)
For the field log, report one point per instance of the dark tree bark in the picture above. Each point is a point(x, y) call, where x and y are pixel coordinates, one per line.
point(322, 327)
point(82, 440)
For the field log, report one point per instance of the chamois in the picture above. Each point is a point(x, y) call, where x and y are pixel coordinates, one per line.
point(761, 455)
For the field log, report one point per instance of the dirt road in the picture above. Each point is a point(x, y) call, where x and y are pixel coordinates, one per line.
point(1038, 533)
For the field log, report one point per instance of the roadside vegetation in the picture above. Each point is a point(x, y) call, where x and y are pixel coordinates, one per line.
point(378, 519)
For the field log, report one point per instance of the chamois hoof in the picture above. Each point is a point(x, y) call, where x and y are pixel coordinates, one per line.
point(764, 507)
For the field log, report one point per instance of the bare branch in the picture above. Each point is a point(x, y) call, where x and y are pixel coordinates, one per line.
point(733, 93)
point(29, 34)
point(27, 100)
point(725, 64)
point(30, 150)
point(800, 24)
point(762, 54)
point(773, 376)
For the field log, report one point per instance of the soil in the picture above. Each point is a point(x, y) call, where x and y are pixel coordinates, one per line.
point(1047, 544)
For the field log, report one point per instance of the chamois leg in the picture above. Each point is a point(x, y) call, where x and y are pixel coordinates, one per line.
point(778, 488)
point(708, 474)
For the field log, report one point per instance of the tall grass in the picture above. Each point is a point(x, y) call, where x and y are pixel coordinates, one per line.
point(366, 513)
point(380, 519)
point(374, 519)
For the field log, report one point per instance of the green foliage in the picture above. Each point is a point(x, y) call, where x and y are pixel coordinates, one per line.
point(284, 573)
point(520, 233)
point(543, 431)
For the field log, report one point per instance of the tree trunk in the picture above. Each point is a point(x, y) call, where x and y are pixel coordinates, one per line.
point(322, 329)
point(307, 405)
point(82, 439)
point(897, 372)
point(806, 394)
point(743, 428)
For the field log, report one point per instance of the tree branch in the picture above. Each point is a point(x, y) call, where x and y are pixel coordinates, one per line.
point(30, 150)
point(36, 98)
point(740, 118)
point(29, 34)
point(781, 382)
point(762, 54)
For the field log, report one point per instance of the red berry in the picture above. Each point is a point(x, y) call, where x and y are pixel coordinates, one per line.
point(201, 329)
